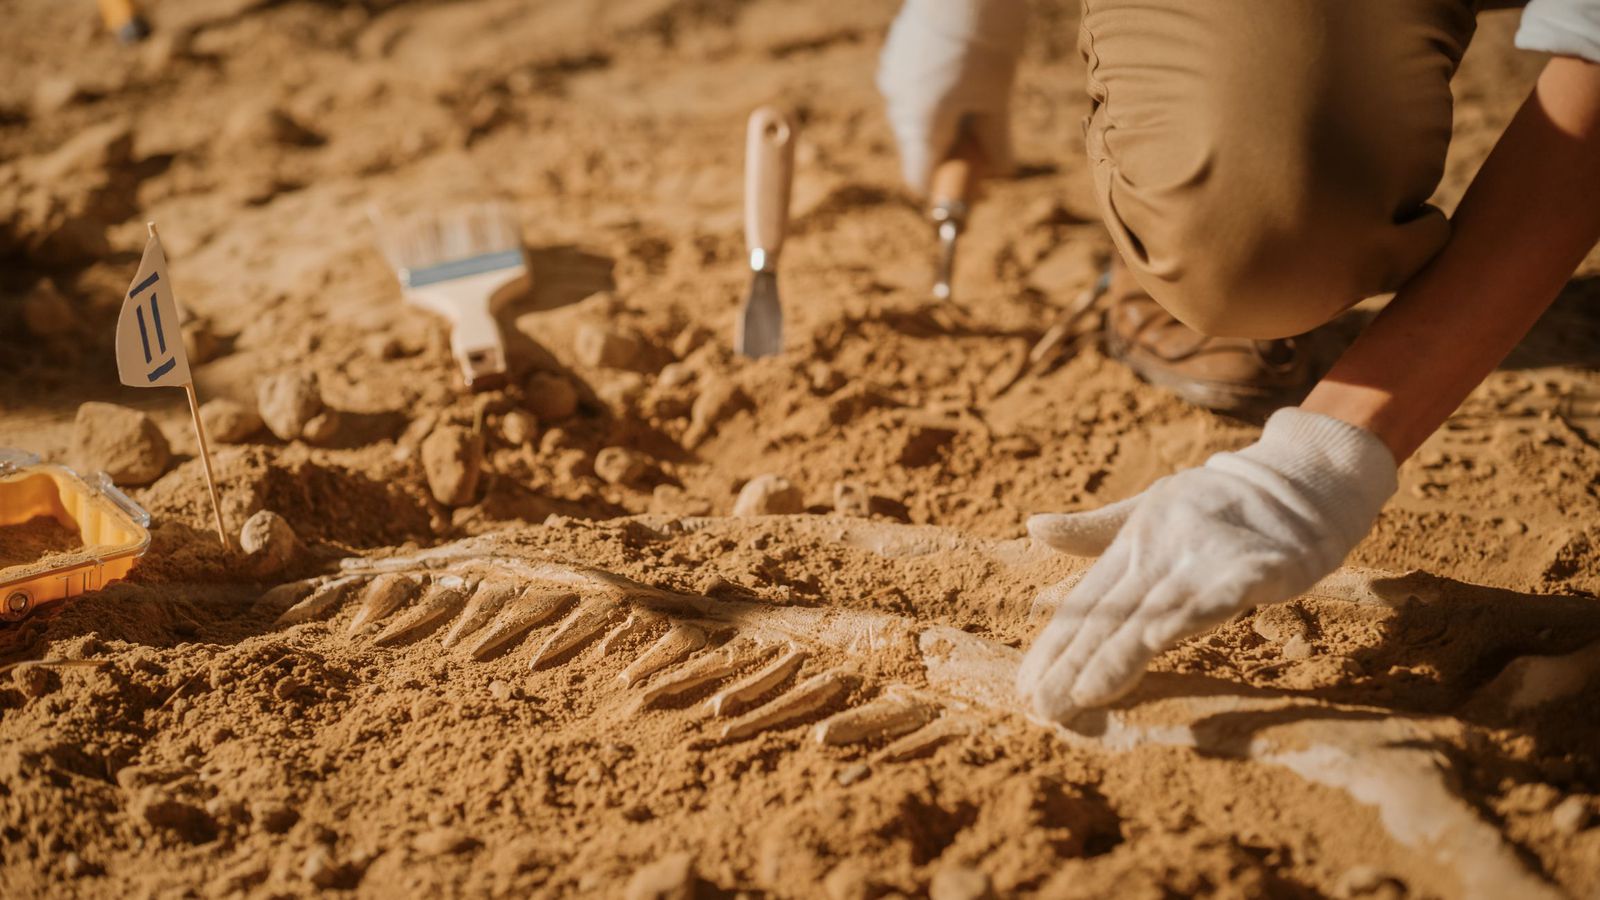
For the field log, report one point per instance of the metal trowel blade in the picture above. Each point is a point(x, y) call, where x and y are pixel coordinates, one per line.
point(761, 321)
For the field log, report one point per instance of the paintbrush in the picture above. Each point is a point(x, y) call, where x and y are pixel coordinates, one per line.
point(456, 263)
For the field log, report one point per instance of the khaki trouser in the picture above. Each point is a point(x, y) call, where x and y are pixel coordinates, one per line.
point(1264, 164)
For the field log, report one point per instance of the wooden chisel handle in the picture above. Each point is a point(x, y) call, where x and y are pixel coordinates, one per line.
point(956, 179)
point(768, 174)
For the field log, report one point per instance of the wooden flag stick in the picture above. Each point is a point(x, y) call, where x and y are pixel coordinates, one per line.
point(205, 461)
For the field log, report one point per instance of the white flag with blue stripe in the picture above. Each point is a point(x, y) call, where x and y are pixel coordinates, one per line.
point(149, 342)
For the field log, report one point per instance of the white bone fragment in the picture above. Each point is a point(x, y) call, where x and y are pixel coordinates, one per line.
point(885, 717)
point(440, 601)
point(747, 690)
point(714, 665)
point(321, 600)
point(383, 596)
point(670, 649)
point(804, 699)
point(485, 603)
point(535, 607)
point(585, 624)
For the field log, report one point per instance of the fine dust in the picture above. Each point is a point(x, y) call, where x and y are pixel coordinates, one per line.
point(38, 540)
point(524, 647)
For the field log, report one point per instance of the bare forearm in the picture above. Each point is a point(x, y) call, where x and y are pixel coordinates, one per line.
point(1525, 224)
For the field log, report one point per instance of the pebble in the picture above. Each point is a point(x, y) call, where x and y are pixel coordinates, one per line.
point(124, 443)
point(769, 495)
point(443, 842)
point(46, 313)
point(619, 465)
point(551, 397)
point(1279, 623)
point(452, 457)
point(718, 400)
point(672, 877)
point(960, 883)
point(850, 498)
point(287, 401)
point(604, 348)
point(229, 421)
point(1297, 648)
point(32, 680)
point(322, 428)
point(1364, 880)
point(74, 866)
point(674, 375)
point(852, 774)
point(275, 817)
point(1570, 815)
point(519, 427)
point(321, 869)
point(52, 95)
point(499, 690)
point(185, 820)
point(269, 542)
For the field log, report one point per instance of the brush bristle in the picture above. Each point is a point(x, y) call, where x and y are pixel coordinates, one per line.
point(430, 237)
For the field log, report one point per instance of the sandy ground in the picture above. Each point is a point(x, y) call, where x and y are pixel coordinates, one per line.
point(536, 708)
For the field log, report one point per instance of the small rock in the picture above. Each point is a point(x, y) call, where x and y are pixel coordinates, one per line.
point(275, 817)
point(850, 498)
point(960, 883)
point(267, 124)
point(769, 495)
point(124, 443)
point(286, 689)
point(674, 375)
point(452, 457)
point(619, 465)
point(229, 421)
point(52, 95)
point(32, 680)
point(551, 397)
point(322, 428)
point(287, 401)
point(383, 346)
point(185, 820)
point(1570, 815)
point(852, 774)
point(621, 392)
point(1297, 648)
point(322, 869)
point(269, 542)
point(718, 400)
point(672, 877)
point(1280, 622)
point(200, 341)
point(519, 427)
point(226, 809)
point(74, 866)
point(443, 842)
point(499, 690)
point(605, 348)
point(1364, 881)
point(46, 313)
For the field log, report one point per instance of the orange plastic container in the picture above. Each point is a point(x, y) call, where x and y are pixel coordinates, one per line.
point(115, 532)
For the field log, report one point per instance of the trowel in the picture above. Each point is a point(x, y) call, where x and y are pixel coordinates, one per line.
point(954, 188)
point(768, 174)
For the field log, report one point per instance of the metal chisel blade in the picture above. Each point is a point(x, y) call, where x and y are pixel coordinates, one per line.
point(761, 321)
point(947, 260)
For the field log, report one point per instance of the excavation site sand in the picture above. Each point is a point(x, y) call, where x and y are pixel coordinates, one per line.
point(577, 673)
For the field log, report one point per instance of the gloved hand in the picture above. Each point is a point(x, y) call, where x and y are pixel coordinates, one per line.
point(1260, 525)
point(947, 61)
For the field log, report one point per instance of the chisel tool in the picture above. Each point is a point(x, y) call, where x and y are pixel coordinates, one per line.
point(954, 188)
point(768, 174)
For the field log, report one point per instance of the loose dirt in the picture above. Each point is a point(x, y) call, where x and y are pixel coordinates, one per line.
point(40, 539)
point(570, 670)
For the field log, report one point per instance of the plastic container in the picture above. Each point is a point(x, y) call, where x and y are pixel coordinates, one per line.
point(115, 532)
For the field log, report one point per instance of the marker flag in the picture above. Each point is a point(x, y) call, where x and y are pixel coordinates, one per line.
point(149, 342)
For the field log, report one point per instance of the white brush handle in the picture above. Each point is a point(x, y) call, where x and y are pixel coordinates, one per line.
point(475, 338)
point(768, 174)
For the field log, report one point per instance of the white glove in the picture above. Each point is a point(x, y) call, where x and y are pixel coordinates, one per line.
point(947, 61)
point(1260, 525)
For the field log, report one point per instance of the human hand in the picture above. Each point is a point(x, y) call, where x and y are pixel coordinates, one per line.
point(1260, 525)
point(949, 62)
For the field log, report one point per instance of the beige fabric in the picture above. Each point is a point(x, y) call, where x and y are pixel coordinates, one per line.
point(1264, 164)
